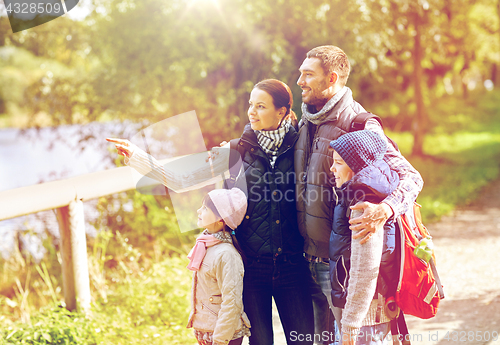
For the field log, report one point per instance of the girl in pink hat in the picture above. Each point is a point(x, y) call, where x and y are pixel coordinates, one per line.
point(217, 315)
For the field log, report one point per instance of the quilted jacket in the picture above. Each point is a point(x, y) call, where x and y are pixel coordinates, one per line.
point(269, 228)
point(217, 304)
point(315, 197)
point(372, 184)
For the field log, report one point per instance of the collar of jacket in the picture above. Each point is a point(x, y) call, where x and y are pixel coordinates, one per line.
point(338, 108)
point(250, 138)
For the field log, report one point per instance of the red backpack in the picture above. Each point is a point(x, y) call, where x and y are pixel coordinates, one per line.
point(419, 289)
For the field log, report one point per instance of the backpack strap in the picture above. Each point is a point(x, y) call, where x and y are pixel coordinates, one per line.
point(359, 123)
point(399, 331)
point(436, 277)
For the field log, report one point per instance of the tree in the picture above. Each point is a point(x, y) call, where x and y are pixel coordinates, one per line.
point(411, 48)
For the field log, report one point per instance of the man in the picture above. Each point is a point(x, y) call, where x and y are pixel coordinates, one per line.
point(327, 112)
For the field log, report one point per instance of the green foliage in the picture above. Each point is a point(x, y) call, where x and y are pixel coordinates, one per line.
point(139, 283)
point(457, 168)
point(150, 306)
point(140, 306)
point(142, 221)
point(54, 325)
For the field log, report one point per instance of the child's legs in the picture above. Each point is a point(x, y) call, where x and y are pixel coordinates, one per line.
point(257, 300)
point(292, 295)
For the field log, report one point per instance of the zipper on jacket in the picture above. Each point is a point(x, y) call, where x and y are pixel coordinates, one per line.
point(315, 142)
point(316, 138)
point(210, 310)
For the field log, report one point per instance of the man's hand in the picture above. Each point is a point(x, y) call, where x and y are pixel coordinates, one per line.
point(374, 217)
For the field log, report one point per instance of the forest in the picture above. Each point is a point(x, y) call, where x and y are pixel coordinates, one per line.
point(429, 68)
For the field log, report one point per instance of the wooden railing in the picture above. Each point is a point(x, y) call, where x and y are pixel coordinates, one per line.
point(67, 196)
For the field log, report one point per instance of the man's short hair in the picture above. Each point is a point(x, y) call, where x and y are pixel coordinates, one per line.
point(333, 59)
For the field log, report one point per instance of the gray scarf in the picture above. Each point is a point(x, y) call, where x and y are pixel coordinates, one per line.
point(321, 116)
point(270, 141)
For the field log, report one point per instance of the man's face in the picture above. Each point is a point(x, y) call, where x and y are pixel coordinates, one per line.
point(314, 83)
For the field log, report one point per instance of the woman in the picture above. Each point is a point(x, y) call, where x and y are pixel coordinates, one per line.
point(269, 234)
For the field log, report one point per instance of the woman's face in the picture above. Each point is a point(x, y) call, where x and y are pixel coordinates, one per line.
point(208, 220)
point(262, 114)
point(341, 170)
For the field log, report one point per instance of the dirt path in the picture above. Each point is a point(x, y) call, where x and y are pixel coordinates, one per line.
point(467, 248)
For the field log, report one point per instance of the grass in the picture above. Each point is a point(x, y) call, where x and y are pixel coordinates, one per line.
point(136, 298)
point(462, 164)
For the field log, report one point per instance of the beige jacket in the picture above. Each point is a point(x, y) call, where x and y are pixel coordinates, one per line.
point(217, 304)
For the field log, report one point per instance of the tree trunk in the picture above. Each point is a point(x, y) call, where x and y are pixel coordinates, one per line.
point(420, 121)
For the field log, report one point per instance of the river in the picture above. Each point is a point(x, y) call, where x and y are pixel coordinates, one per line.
point(34, 156)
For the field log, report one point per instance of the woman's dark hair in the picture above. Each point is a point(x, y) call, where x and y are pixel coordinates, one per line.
point(207, 201)
point(282, 97)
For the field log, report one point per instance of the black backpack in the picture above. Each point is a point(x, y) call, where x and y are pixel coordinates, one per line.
point(359, 123)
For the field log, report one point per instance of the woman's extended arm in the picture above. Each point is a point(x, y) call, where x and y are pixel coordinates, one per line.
point(136, 158)
point(182, 173)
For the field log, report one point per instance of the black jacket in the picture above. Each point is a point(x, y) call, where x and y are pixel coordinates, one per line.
point(371, 184)
point(313, 159)
point(269, 228)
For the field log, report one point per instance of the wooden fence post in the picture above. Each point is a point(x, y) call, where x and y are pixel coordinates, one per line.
point(74, 256)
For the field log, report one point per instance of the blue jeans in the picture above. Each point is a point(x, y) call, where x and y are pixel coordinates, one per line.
point(321, 291)
point(286, 279)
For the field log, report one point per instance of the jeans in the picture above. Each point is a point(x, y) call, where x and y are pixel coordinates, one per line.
point(321, 291)
point(287, 280)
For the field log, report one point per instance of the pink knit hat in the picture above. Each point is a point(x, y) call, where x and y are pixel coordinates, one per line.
point(231, 205)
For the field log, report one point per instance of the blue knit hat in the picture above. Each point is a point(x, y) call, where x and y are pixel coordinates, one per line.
point(360, 148)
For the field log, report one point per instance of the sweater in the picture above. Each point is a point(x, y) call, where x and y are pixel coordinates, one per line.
point(371, 267)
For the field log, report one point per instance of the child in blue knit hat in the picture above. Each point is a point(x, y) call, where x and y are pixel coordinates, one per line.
point(362, 275)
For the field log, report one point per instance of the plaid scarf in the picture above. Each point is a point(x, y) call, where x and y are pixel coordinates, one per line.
point(321, 115)
point(223, 236)
point(270, 141)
